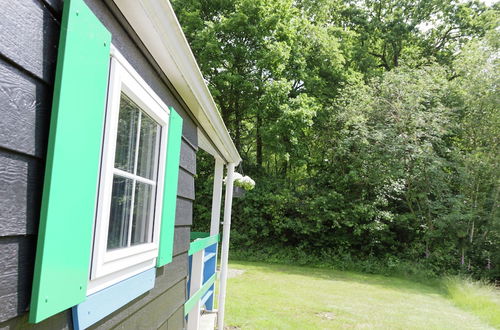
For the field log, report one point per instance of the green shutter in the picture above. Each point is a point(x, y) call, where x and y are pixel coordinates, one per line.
point(170, 189)
point(72, 167)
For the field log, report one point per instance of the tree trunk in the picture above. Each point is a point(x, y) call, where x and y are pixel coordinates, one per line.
point(258, 140)
point(237, 125)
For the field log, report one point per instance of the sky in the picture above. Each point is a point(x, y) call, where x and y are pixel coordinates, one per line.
point(490, 2)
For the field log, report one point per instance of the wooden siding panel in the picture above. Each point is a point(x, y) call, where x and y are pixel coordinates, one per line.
point(61, 321)
point(188, 157)
point(12, 305)
point(171, 273)
point(176, 321)
point(190, 132)
point(29, 35)
point(181, 240)
point(14, 249)
point(24, 111)
point(166, 278)
point(20, 194)
point(7, 288)
point(30, 30)
point(153, 315)
point(16, 274)
point(184, 212)
point(186, 185)
point(55, 5)
point(164, 326)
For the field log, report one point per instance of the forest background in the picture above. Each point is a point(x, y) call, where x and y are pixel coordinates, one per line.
point(372, 130)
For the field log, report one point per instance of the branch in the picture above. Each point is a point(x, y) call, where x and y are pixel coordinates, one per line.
point(384, 61)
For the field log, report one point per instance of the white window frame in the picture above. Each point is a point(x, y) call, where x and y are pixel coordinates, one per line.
point(110, 267)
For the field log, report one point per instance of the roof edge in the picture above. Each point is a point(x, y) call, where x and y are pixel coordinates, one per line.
point(157, 26)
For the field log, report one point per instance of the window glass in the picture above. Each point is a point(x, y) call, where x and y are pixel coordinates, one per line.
point(127, 134)
point(133, 192)
point(142, 213)
point(121, 200)
point(146, 164)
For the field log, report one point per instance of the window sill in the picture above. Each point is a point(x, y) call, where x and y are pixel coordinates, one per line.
point(102, 303)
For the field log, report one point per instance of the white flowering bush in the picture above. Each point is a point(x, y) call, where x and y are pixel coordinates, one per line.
point(244, 182)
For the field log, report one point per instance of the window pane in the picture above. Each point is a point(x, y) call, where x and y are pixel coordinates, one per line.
point(148, 147)
point(142, 213)
point(121, 199)
point(127, 134)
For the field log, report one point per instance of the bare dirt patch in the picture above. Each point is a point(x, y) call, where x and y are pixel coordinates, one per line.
point(326, 315)
point(231, 272)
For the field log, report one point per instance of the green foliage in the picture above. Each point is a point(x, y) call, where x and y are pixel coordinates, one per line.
point(330, 259)
point(370, 128)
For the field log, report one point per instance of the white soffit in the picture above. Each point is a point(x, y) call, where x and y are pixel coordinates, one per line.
point(155, 23)
point(205, 144)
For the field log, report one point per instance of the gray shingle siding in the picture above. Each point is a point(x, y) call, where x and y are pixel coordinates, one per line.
point(29, 33)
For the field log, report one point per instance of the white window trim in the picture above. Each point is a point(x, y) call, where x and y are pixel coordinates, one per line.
point(110, 267)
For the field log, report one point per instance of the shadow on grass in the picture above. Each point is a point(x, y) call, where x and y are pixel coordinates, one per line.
point(434, 287)
point(471, 297)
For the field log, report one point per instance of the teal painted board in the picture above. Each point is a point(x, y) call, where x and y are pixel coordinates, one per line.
point(202, 243)
point(188, 306)
point(100, 304)
point(166, 246)
point(72, 166)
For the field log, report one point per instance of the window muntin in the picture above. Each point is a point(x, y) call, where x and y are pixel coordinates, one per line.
point(134, 177)
point(126, 231)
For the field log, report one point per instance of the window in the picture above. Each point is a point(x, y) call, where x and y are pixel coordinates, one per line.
point(126, 229)
point(134, 177)
point(111, 175)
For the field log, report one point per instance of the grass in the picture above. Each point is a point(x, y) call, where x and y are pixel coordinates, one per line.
point(478, 298)
point(268, 296)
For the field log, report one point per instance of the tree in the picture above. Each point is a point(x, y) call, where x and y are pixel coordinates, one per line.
point(371, 127)
point(478, 108)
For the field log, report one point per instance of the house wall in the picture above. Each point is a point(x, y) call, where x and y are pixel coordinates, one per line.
point(29, 34)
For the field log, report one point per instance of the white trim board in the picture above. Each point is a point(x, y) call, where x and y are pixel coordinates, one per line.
point(155, 23)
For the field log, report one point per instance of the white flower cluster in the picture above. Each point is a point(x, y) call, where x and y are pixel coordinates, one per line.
point(244, 182)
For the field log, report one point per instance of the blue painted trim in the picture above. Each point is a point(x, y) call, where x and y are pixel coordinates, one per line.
point(207, 295)
point(102, 303)
point(209, 268)
point(209, 302)
point(190, 265)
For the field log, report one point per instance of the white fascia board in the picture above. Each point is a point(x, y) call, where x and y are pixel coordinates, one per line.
point(155, 23)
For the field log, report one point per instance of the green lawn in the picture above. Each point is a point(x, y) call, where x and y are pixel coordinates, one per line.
point(288, 297)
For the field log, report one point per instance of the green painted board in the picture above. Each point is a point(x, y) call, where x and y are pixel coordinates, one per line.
point(188, 306)
point(72, 166)
point(166, 245)
point(202, 243)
